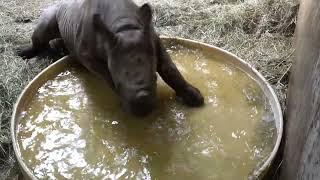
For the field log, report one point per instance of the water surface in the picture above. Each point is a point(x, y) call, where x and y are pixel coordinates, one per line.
point(75, 128)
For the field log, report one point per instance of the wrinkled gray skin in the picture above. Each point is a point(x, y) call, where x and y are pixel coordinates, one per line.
point(115, 40)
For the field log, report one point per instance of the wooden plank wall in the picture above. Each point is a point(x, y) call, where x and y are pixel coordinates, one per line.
point(301, 158)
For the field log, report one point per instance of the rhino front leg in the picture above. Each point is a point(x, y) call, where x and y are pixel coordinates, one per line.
point(46, 30)
point(57, 46)
point(168, 71)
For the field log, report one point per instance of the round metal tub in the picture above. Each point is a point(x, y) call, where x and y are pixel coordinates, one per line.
point(230, 58)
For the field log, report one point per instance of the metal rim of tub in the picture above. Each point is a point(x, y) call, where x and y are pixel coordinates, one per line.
point(244, 66)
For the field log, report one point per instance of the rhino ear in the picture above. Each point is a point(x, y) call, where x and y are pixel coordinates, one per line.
point(102, 29)
point(145, 13)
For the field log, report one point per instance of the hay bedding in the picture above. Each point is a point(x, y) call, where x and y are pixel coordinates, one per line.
point(258, 31)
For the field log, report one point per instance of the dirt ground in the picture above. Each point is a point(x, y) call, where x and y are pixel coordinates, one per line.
point(258, 31)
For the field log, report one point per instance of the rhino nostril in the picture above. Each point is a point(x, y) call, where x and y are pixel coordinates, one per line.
point(117, 86)
point(143, 102)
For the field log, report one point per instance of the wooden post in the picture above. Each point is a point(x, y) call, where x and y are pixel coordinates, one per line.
point(301, 158)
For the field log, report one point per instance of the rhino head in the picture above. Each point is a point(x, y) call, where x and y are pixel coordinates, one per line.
point(131, 57)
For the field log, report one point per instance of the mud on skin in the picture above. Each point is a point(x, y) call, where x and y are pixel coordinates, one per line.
point(116, 41)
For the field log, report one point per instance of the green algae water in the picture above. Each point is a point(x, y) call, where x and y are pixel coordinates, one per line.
point(74, 127)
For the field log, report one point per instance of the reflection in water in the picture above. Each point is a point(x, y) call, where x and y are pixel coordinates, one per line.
point(75, 128)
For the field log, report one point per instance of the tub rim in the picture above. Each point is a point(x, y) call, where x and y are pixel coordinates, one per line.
point(263, 83)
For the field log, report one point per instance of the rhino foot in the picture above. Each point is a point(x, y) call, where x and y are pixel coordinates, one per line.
point(26, 52)
point(191, 96)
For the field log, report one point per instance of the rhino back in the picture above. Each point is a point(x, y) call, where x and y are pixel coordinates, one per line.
point(75, 19)
point(69, 19)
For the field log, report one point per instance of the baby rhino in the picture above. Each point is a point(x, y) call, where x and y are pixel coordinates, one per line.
point(115, 40)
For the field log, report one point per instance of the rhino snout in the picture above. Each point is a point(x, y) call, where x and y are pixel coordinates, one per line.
point(142, 97)
point(142, 103)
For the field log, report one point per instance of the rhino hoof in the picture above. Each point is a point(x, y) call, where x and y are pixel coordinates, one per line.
point(26, 52)
point(192, 97)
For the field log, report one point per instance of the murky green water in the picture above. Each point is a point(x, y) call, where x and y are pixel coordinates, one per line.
point(74, 128)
